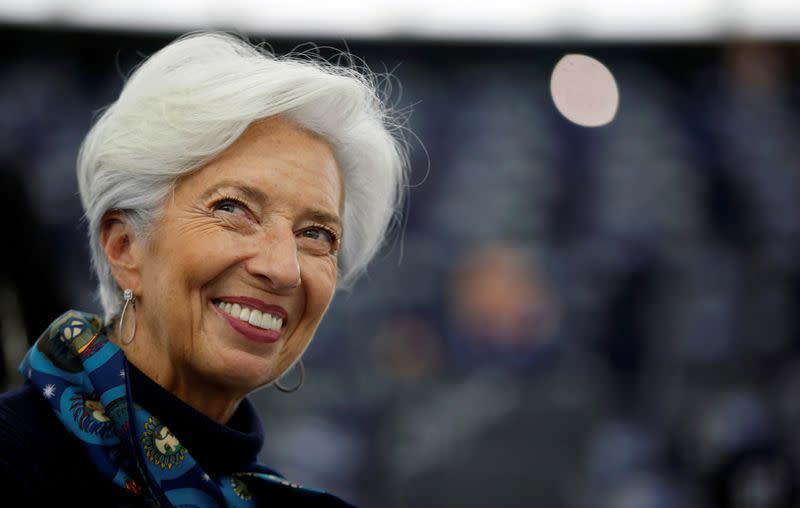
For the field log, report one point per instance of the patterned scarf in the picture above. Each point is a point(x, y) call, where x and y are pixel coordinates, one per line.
point(84, 377)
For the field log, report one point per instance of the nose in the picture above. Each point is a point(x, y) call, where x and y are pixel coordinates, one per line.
point(276, 262)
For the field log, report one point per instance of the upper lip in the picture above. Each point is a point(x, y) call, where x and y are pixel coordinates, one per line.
point(257, 304)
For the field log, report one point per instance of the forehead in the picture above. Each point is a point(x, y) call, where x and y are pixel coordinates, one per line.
point(280, 159)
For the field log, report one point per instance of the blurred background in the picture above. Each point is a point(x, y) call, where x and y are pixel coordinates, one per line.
point(572, 317)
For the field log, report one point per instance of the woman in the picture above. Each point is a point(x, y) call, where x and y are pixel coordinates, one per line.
point(228, 192)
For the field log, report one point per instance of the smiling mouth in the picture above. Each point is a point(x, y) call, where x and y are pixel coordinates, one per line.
point(255, 317)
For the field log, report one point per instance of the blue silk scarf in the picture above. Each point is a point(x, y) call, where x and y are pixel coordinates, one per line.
point(84, 377)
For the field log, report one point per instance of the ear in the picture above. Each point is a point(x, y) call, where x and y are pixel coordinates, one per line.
point(123, 250)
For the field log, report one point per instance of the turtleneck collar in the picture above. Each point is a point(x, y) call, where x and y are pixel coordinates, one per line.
point(217, 448)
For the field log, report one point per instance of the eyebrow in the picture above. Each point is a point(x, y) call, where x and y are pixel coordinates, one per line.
point(324, 217)
point(249, 192)
point(254, 194)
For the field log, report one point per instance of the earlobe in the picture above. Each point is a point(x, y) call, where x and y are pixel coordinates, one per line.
point(119, 243)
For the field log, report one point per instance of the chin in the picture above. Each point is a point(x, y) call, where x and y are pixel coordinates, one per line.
point(242, 371)
point(245, 366)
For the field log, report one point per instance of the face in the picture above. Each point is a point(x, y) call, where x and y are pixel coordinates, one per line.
point(241, 265)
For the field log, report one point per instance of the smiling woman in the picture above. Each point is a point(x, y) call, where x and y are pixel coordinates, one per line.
point(228, 193)
point(244, 230)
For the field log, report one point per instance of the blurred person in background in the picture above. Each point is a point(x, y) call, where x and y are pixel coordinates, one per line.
point(228, 191)
point(502, 412)
point(500, 308)
point(27, 271)
point(407, 349)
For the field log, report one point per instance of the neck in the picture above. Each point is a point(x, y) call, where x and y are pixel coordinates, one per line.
point(212, 400)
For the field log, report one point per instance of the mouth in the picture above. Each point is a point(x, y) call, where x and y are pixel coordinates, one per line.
point(252, 318)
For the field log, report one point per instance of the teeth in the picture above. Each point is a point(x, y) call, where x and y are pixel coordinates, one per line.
point(255, 317)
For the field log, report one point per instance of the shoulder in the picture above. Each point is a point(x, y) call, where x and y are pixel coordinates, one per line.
point(29, 429)
point(23, 417)
point(23, 413)
point(32, 439)
point(41, 461)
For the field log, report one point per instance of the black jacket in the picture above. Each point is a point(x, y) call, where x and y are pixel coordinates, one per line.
point(42, 464)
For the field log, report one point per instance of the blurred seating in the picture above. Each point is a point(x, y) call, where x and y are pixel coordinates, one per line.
point(657, 360)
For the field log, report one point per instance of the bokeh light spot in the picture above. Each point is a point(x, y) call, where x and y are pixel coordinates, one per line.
point(584, 90)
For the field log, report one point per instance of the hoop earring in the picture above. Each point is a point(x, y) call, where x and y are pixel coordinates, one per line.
point(130, 298)
point(299, 383)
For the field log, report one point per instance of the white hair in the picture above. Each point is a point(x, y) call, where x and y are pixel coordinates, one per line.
point(192, 99)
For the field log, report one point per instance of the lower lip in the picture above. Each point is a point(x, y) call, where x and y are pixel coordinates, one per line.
point(249, 331)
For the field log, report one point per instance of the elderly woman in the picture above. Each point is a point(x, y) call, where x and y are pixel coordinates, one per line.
point(228, 192)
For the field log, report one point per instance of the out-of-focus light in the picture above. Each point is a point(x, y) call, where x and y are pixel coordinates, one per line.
point(632, 19)
point(440, 19)
point(584, 91)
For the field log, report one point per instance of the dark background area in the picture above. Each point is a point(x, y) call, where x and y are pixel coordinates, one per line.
point(571, 317)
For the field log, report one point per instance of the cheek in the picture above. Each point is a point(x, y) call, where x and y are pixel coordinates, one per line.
point(320, 283)
point(198, 261)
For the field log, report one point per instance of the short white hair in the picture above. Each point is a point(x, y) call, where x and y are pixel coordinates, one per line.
point(192, 99)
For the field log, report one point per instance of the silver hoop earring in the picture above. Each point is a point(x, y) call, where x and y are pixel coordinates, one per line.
point(130, 298)
point(299, 383)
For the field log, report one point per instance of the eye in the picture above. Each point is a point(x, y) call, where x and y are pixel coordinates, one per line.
point(321, 238)
point(230, 205)
point(318, 234)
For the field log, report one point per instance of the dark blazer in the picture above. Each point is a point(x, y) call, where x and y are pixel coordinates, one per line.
point(43, 464)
